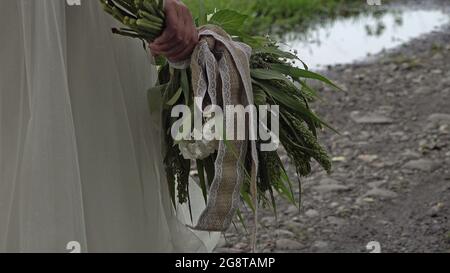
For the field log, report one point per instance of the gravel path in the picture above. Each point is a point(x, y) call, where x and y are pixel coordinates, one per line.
point(391, 178)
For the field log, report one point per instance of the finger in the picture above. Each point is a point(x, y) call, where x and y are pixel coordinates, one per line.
point(167, 46)
point(154, 53)
point(183, 54)
point(172, 18)
point(176, 49)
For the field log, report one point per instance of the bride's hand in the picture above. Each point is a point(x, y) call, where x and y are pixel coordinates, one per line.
point(180, 35)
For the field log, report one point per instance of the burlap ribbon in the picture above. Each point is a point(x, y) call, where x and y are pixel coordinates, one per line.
point(221, 68)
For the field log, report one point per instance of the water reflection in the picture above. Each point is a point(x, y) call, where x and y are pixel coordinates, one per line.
point(348, 40)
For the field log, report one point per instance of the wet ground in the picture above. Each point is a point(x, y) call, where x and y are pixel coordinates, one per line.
point(391, 178)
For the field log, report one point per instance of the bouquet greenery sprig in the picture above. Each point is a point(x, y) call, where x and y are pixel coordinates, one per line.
point(276, 81)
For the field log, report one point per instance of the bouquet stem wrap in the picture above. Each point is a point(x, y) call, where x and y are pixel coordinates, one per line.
point(221, 68)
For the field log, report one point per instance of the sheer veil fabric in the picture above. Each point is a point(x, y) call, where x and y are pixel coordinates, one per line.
point(79, 149)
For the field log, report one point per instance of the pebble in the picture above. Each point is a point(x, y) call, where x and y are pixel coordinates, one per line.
point(320, 245)
point(439, 118)
point(291, 210)
point(312, 213)
point(328, 180)
point(381, 193)
point(424, 165)
point(267, 221)
point(368, 200)
point(284, 233)
point(339, 159)
point(337, 221)
point(368, 158)
point(288, 244)
point(241, 246)
point(376, 184)
point(434, 210)
point(332, 188)
point(371, 118)
point(334, 205)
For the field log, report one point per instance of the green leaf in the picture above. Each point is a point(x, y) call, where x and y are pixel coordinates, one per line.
point(254, 42)
point(231, 21)
point(247, 199)
point(266, 74)
point(259, 96)
point(295, 72)
point(175, 98)
point(286, 101)
point(160, 61)
point(287, 190)
point(203, 16)
point(185, 86)
point(241, 219)
point(275, 51)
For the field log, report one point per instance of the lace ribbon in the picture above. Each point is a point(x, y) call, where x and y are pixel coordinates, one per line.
point(221, 68)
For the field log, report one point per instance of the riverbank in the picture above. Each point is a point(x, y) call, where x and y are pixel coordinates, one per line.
point(391, 178)
point(269, 16)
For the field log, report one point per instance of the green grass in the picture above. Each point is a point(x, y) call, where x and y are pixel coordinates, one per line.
point(275, 16)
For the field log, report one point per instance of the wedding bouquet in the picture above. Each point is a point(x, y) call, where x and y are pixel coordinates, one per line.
point(274, 80)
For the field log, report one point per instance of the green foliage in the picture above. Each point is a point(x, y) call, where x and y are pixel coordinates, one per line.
point(278, 16)
point(275, 82)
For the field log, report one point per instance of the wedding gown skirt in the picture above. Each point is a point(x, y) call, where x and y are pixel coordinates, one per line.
point(79, 149)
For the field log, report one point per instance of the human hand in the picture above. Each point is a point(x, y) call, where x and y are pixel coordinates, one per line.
point(180, 36)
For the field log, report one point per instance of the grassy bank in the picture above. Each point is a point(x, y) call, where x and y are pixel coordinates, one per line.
point(281, 15)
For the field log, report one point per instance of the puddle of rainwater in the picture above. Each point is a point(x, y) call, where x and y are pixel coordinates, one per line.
point(353, 39)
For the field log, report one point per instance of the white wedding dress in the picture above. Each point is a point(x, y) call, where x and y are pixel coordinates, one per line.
point(79, 149)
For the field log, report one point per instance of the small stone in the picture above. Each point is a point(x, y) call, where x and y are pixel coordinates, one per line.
point(381, 193)
point(410, 154)
point(312, 213)
point(436, 71)
point(424, 165)
point(434, 210)
point(331, 188)
point(328, 181)
point(292, 210)
point(320, 245)
point(376, 184)
point(334, 205)
point(288, 244)
point(311, 230)
point(338, 159)
point(284, 233)
point(439, 118)
point(371, 118)
point(240, 246)
point(267, 221)
point(444, 129)
point(333, 220)
point(368, 158)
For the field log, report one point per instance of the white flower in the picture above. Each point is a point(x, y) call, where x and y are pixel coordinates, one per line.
point(199, 149)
